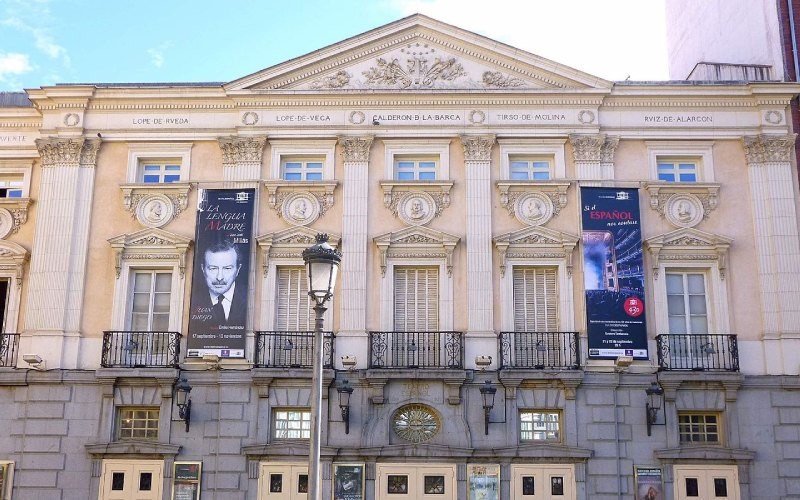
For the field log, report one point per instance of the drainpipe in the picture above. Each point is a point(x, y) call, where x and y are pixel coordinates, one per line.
point(794, 40)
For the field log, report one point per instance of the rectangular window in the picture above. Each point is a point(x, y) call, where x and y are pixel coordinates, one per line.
point(699, 427)
point(535, 299)
point(416, 299)
point(293, 303)
point(292, 424)
point(12, 185)
point(533, 168)
point(686, 302)
point(678, 169)
point(137, 423)
point(150, 301)
point(159, 171)
point(415, 168)
point(301, 169)
point(540, 425)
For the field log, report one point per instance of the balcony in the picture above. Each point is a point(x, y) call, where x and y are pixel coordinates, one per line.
point(539, 350)
point(126, 349)
point(698, 352)
point(291, 349)
point(9, 345)
point(416, 350)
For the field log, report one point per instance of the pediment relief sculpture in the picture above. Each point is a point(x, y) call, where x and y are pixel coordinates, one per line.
point(148, 245)
point(289, 244)
point(535, 243)
point(533, 203)
point(683, 204)
point(688, 245)
point(155, 205)
point(416, 242)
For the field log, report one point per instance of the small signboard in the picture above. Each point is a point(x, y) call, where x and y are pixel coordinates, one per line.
point(348, 481)
point(484, 481)
point(186, 480)
point(648, 483)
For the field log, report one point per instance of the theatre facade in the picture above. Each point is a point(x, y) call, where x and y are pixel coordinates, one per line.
point(552, 285)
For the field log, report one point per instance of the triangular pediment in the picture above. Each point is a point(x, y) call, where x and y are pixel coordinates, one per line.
point(418, 53)
point(536, 236)
point(688, 237)
point(150, 238)
point(416, 236)
point(298, 236)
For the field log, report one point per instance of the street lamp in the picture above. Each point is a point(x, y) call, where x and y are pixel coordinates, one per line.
point(654, 400)
point(322, 266)
point(182, 401)
point(487, 394)
point(345, 390)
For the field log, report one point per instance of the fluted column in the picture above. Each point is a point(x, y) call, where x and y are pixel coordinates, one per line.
point(353, 306)
point(58, 258)
point(769, 170)
point(594, 156)
point(478, 167)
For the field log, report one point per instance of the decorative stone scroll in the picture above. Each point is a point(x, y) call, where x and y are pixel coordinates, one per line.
point(683, 204)
point(766, 148)
point(289, 244)
point(355, 148)
point(688, 245)
point(533, 203)
point(155, 205)
point(416, 242)
point(535, 243)
point(300, 202)
point(150, 245)
point(13, 213)
point(416, 202)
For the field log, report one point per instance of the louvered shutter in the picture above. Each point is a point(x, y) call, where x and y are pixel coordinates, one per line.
point(416, 299)
point(293, 303)
point(535, 299)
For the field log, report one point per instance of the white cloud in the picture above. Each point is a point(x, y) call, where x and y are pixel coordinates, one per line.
point(42, 39)
point(157, 53)
point(14, 64)
point(608, 39)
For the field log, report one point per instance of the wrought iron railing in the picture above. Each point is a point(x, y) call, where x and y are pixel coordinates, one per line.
point(141, 349)
point(9, 345)
point(416, 350)
point(291, 349)
point(540, 350)
point(698, 352)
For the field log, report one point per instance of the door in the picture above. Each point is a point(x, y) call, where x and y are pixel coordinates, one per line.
point(415, 482)
point(543, 482)
point(695, 482)
point(283, 481)
point(132, 480)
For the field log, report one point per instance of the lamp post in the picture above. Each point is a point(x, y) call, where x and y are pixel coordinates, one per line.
point(322, 266)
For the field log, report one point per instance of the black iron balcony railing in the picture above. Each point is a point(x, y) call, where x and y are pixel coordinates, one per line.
point(291, 349)
point(141, 349)
point(9, 345)
point(540, 350)
point(416, 350)
point(699, 352)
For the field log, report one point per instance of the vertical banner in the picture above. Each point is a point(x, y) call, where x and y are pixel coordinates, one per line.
point(648, 483)
point(218, 308)
point(613, 273)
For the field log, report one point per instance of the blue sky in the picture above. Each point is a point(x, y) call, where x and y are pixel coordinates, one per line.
point(43, 42)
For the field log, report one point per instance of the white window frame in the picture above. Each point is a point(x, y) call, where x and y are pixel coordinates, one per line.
point(302, 148)
point(270, 304)
point(123, 294)
point(118, 422)
point(687, 314)
point(162, 172)
point(274, 426)
point(8, 484)
point(129, 308)
point(12, 266)
point(559, 302)
point(445, 291)
point(566, 311)
point(551, 148)
point(716, 295)
point(702, 151)
point(19, 167)
point(303, 171)
point(558, 411)
point(141, 152)
point(418, 148)
point(529, 159)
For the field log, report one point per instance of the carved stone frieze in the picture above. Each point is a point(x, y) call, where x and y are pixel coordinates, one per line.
point(338, 80)
point(586, 147)
point(766, 148)
point(155, 205)
point(56, 151)
point(289, 244)
point(511, 191)
point(422, 69)
point(320, 191)
point(477, 147)
point(237, 150)
point(535, 243)
point(431, 196)
point(498, 79)
point(683, 204)
point(355, 148)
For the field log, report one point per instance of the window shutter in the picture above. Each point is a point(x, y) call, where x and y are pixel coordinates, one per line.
point(535, 299)
point(416, 299)
point(293, 302)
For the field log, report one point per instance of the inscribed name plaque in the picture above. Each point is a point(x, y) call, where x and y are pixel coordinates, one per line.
point(186, 480)
point(484, 482)
point(348, 481)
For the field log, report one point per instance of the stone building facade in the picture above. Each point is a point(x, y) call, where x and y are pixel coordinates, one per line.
point(449, 169)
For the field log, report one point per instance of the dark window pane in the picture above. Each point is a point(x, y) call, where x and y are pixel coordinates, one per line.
point(276, 483)
point(145, 481)
point(434, 485)
point(397, 484)
point(528, 485)
point(302, 483)
point(691, 487)
point(556, 485)
point(720, 487)
point(117, 481)
point(172, 178)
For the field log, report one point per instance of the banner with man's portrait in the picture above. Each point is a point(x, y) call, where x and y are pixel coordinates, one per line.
point(218, 306)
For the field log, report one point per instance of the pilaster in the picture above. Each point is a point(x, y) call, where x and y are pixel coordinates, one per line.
point(241, 158)
point(776, 235)
point(58, 264)
point(353, 309)
point(478, 167)
point(593, 156)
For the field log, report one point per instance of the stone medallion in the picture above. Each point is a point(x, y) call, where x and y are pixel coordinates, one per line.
point(300, 209)
point(416, 208)
point(533, 209)
point(684, 210)
point(6, 222)
point(155, 210)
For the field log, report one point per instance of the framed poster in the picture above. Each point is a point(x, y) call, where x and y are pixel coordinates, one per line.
point(186, 480)
point(348, 481)
point(648, 483)
point(483, 481)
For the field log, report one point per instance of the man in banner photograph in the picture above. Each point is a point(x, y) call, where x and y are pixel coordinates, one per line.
point(220, 267)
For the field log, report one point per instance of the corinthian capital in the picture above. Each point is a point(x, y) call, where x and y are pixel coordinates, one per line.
point(355, 148)
point(608, 149)
point(477, 147)
point(769, 148)
point(241, 149)
point(58, 151)
point(586, 147)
